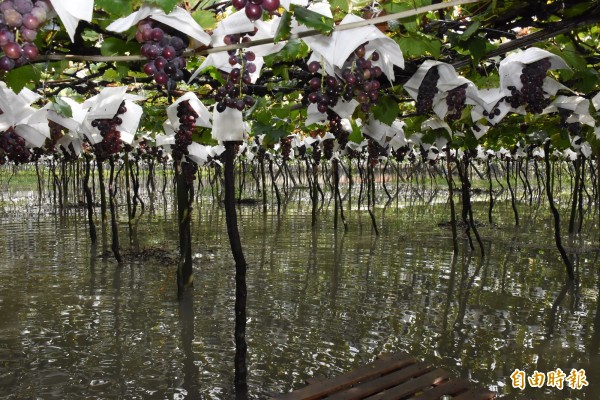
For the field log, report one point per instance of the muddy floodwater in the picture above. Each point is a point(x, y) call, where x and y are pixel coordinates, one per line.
point(75, 325)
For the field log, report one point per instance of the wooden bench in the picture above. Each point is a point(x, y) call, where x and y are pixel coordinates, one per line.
point(390, 376)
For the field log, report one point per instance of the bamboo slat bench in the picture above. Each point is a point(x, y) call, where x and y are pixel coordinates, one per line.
point(390, 376)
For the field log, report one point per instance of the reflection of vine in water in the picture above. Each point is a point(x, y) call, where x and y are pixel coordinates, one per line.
point(191, 373)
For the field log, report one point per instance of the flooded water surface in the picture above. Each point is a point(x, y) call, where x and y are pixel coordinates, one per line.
point(75, 325)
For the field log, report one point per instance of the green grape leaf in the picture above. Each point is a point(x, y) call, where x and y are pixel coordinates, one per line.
point(273, 132)
point(386, 110)
point(116, 47)
point(18, 78)
point(416, 44)
point(313, 19)
point(61, 107)
point(206, 19)
point(466, 35)
point(293, 50)
point(166, 5)
point(343, 5)
point(356, 135)
point(284, 29)
point(204, 137)
point(115, 7)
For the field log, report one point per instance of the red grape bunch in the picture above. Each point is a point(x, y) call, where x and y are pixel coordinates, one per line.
point(254, 8)
point(455, 100)
point(325, 90)
point(337, 129)
point(13, 148)
point(362, 78)
point(234, 94)
point(532, 92)
point(56, 132)
point(20, 21)
point(111, 138)
point(163, 47)
point(427, 91)
point(286, 148)
point(183, 138)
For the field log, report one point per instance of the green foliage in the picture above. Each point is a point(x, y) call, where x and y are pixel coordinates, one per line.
point(112, 46)
point(285, 27)
point(313, 19)
point(61, 107)
point(206, 19)
point(117, 8)
point(166, 5)
point(417, 44)
point(293, 50)
point(25, 76)
point(386, 110)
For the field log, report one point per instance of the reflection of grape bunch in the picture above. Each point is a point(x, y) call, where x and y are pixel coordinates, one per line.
point(427, 91)
point(455, 100)
point(13, 148)
point(361, 78)
point(286, 147)
point(19, 23)
point(254, 8)
point(183, 138)
point(234, 94)
point(111, 138)
point(163, 47)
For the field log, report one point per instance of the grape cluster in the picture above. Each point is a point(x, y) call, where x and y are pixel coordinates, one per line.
point(163, 47)
point(13, 148)
point(286, 148)
point(455, 100)
point(183, 138)
point(324, 90)
point(574, 128)
point(189, 170)
point(374, 150)
point(111, 138)
point(56, 132)
point(400, 153)
point(336, 128)
point(362, 78)
point(234, 94)
point(254, 8)
point(328, 146)
point(358, 80)
point(19, 24)
point(532, 92)
point(427, 91)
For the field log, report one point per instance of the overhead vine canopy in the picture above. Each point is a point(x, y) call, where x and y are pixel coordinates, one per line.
point(451, 69)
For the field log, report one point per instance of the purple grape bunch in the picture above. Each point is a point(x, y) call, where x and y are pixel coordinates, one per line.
point(254, 8)
point(235, 93)
point(362, 78)
point(427, 91)
point(111, 143)
point(13, 148)
point(455, 100)
point(183, 137)
point(163, 47)
point(20, 21)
